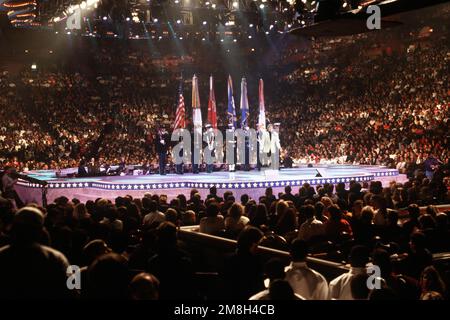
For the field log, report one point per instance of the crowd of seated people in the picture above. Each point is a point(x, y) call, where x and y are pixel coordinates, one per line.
point(335, 106)
point(128, 248)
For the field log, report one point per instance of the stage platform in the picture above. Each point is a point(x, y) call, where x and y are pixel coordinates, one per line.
point(240, 182)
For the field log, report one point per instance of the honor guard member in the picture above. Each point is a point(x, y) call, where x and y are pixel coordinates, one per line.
point(210, 142)
point(247, 148)
point(231, 146)
point(275, 146)
point(196, 148)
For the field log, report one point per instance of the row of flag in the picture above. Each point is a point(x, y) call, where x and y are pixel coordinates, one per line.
point(180, 118)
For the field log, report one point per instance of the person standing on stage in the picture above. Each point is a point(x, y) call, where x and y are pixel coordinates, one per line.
point(209, 135)
point(247, 148)
point(275, 146)
point(231, 147)
point(162, 145)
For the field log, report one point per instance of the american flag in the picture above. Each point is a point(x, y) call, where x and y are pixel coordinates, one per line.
point(180, 116)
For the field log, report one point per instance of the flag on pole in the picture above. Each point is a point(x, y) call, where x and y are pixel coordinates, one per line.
point(197, 112)
point(262, 108)
point(180, 122)
point(212, 113)
point(231, 114)
point(244, 103)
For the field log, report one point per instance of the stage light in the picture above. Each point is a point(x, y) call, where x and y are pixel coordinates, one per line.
point(68, 32)
point(33, 66)
point(271, 27)
point(249, 37)
point(235, 4)
point(160, 37)
point(234, 40)
point(178, 21)
point(303, 22)
point(344, 5)
point(289, 25)
point(207, 3)
point(267, 32)
point(177, 1)
point(204, 22)
point(203, 39)
point(221, 40)
point(253, 49)
point(261, 6)
point(155, 20)
point(105, 18)
point(181, 38)
point(56, 32)
point(251, 25)
point(213, 5)
point(128, 19)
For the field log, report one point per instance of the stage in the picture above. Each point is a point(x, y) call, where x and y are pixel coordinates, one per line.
point(251, 182)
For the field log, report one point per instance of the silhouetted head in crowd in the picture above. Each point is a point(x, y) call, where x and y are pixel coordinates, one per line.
point(417, 242)
point(166, 235)
point(318, 208)
point(287, 190)
point(367, 214)
point(144, 286)
point(392, 217)
point(236, 211)
point(442, 221)
point(183, 200)
point(308, 211)
point(244, 199)
point(6, 213)
point(359, 256)
point(359, 288)
point(172, 216)
point(431, 281)
point(108, 277)
point(281, 290)
point(274, 269)
point(427, 221)
point(212, 210)
point(93, 250)
point(299, 250)
point(248, 240)
point(413, 211)
point(27, 227)
point(335, 212)
point(213, 190)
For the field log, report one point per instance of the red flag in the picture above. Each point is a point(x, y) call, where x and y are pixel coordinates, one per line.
point(180, 116)
point(212, 113)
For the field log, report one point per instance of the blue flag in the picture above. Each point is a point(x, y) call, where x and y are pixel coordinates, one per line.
point(231, 114)
point(244, 104)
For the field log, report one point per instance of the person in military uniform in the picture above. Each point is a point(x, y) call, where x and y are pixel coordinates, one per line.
point(210, 144)
point(231, 145)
